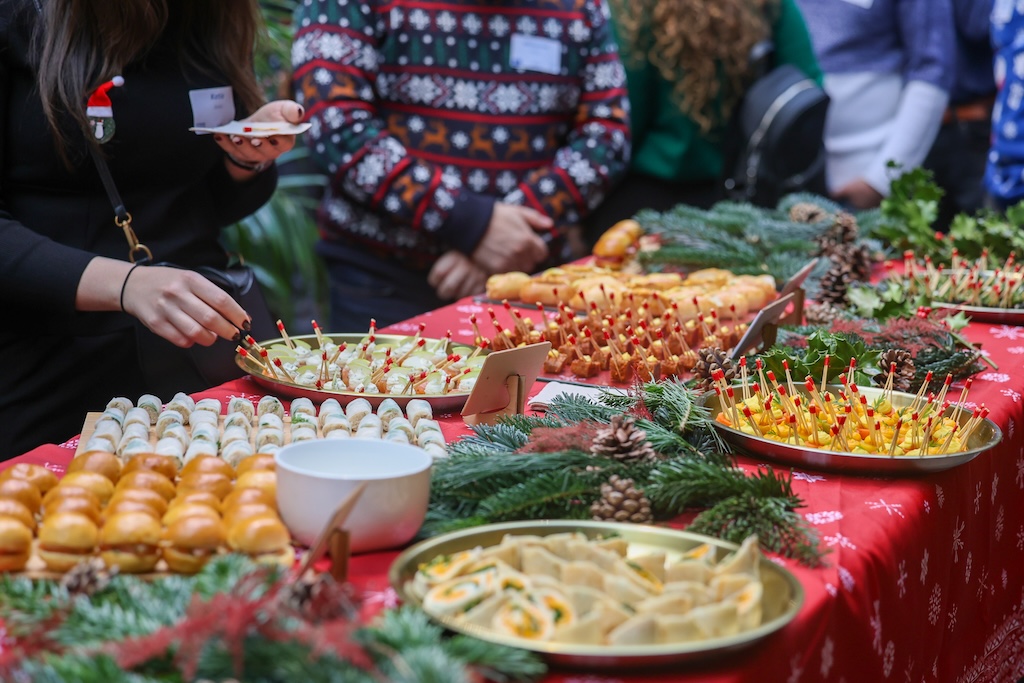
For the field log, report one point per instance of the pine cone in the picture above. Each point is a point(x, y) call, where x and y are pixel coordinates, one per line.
point(835, 282)
point(858, 257)
point(709, 360)
point(816, 313)
point(621, 501)
point(807, 212)
point(903, 377)
point(318, 597)
point(624, 441)
point(843, 231)
point(88, 577)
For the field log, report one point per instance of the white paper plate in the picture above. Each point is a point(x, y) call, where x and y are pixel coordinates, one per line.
point(256, 129)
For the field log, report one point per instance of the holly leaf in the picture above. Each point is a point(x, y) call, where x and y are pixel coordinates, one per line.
point(865, 300)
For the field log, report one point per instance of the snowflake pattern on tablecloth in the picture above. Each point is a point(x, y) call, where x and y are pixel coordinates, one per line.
point(967, 566)
point(927, 507)
point(71, 444)
point(846, 578)
point(1016, 350)
point(1000, 377)
point(809, 478)
point(888, 658)
point(909, 671)
point(958, 543)
point(934, 605)
point(1000, 522)
point(469, 308)
point(995, 483)
point(404, 327)
point(977, 498)
point(890, 508)
point(1020, 472)
point(823, 517)
point(876, 627)
point(901, 581)
point(839, 540)
point(1013, 426)
point(984, 585)
point(827, 656)
point(795, 670)
point(940, 496)
point(924, 566)
point(55, 467)
point(1020, 538)
point(386, 599)
point(1012, 395)
point(1006, 332)
point(831, 589)
point(1005, 578)
point(952, 619)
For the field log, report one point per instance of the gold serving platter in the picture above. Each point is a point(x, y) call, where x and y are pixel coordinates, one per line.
point(984, 437)
point(982, 314)
point(452, 401)
point(782, 598)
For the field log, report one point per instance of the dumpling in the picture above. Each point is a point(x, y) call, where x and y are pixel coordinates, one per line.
point(328, 408)
point(621, 589)
point(726, 585)
point(698, 592)
point(670, 603)
point(234, 433)
point(653, 565)
point(586, 630)
point(539, 560)
point(120, 403)
point(430, 437)
point(559, 543)
point(591, 552)
point(749, 605)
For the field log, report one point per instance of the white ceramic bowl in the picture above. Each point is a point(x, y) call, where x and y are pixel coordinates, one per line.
point(314, 477)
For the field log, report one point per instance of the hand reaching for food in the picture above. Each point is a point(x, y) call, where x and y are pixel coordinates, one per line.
point(181, 306)
point(511, 242)
point(248, 155)
point(454, 276)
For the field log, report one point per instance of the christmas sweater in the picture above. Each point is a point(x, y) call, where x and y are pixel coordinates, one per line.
point(422, 122)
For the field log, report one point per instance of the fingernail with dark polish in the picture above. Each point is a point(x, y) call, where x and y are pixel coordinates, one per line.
point(237, 338)
point(247, 325)
point(217, 138)
point(302, 112)
point(273, 141)
point(238, 141)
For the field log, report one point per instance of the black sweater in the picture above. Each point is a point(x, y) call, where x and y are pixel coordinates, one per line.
point(54, 220)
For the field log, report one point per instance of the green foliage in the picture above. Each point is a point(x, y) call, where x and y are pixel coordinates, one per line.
point(778, 527)
point(887, 299)
point(999, 235)
point(910, 211)
point(840, 348)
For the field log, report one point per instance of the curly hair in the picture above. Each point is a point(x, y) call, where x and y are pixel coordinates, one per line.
point(702, 47)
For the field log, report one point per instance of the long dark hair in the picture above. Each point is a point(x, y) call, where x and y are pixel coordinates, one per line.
point(81, 44)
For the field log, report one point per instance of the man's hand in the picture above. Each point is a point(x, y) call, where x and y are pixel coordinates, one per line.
point(510, 242)
point(859, 195)
point(454, 276)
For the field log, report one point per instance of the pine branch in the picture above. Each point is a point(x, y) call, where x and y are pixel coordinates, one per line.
point(548, 495)
point(527, 423)
point(574, 408)
point(680, 484)
point(496, 663)
point(494, 437)
point(778, 528)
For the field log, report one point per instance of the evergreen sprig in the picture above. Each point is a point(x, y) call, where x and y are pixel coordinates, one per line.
point(777, 526)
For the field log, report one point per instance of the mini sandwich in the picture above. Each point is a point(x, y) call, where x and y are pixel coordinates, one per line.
point(130, 541)
point(163, 464)
point(22, 491)
point(66, 539)
point(259, 461)
point(15, 544)
point(12, 508)
point(42, 478)
point(242, 496)
point(107, 464)
point(95, 482)
point(147, 479)
point(188, 510)
point(238, 513)
point(147, 496)
point(216, 483)
point(78, 504)
point(197, 497)
point(264, 539)
point(190, 542)
point(204, 464)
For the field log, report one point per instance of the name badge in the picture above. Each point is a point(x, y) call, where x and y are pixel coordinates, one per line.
point(535, 53)
point(212, 107)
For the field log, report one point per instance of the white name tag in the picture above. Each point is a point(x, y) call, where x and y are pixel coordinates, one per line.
point(863, 4)
point(535, 53)
point(212, 107)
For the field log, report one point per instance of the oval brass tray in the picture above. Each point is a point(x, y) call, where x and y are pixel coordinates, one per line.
point(981, 314)
point(782, 600)
point(984, 437)
point(444, 402)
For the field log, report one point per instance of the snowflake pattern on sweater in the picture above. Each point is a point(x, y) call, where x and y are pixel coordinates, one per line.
point(422, 124)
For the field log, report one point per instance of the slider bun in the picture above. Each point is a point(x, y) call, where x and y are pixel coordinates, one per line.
point(259, 461)
point(97, 483)
point(506, 285)
point(43, 478)
point(241, 496)
point(65, 539)
point(208, 463)
point(147, 496)
point(217, 484)
point(15, 545)
point(188, 534)
point(265, 539)
point(258, 479)
point(70, 491)
point(25, 492)
point(198, 497)
point(166, 465)
point(189, 510)
point(120, 535)
point(150, 480)
point(119, 505)
point(240, 513)
point(80, 504)
point(107, 464)
point(12, 508)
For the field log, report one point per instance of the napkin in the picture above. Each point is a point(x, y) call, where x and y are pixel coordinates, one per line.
point(541, 401)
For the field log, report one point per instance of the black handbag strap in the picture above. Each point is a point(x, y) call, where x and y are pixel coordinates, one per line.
point(137, 251)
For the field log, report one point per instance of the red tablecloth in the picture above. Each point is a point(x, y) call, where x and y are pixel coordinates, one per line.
point(925, 581)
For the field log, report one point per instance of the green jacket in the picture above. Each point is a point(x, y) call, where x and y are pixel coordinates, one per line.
point(668, 144)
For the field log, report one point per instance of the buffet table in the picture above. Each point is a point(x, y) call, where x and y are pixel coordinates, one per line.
point(924, 580)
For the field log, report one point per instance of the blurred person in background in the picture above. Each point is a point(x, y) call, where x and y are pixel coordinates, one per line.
point(688, 64)
point(889, 67)
point(1004, 175)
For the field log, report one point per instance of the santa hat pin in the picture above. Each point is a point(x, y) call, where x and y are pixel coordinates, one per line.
point(100, 110)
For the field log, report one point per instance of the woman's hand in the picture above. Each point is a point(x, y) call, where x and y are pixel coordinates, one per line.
point(252, 155)
point(181, 306)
